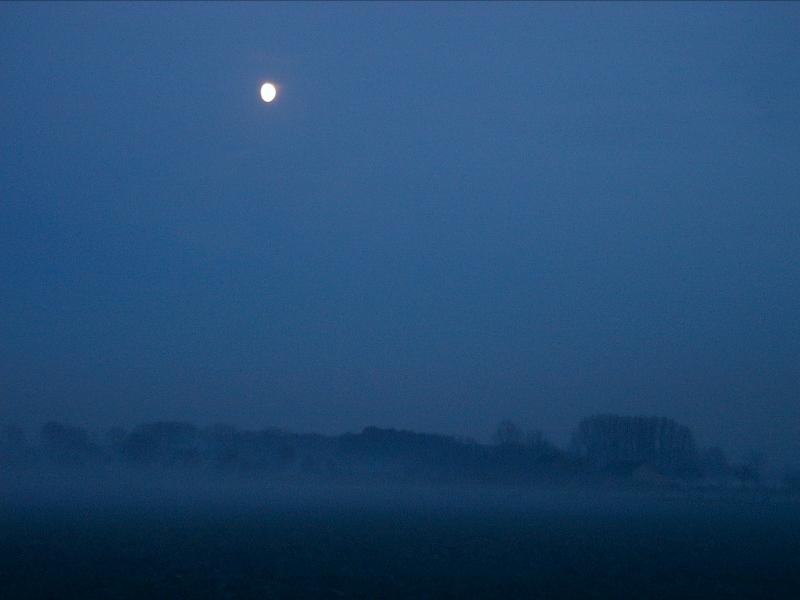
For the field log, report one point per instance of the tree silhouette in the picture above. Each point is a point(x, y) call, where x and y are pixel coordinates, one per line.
point(67, 445)
point(610, 441)
point(508, 433)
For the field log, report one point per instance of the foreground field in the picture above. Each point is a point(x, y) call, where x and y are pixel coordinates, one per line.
point(509, 547)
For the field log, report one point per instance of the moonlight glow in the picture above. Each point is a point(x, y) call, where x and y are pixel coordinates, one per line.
point(268, 92)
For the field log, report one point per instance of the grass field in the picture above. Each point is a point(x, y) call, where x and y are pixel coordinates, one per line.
point(505, 548)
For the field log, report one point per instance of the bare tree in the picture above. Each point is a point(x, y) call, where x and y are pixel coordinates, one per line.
point(607, 440)
point(508, 433)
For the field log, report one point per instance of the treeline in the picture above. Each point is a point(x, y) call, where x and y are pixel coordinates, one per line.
point(646, 449)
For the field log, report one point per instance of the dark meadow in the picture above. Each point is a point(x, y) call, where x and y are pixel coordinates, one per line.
point(169, 510)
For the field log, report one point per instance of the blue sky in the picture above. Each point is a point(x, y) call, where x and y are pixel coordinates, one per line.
point(452, 214)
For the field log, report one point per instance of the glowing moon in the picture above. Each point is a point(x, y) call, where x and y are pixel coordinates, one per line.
point(268, 92)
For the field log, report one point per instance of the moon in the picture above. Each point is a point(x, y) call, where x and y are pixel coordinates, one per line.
point(268, 92)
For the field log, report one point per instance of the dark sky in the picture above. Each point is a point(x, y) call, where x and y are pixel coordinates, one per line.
point(452, 214)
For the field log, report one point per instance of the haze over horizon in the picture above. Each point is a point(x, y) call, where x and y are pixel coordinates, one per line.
point(450, 215)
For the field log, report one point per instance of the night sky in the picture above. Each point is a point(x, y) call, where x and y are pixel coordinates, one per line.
point(452, 214)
